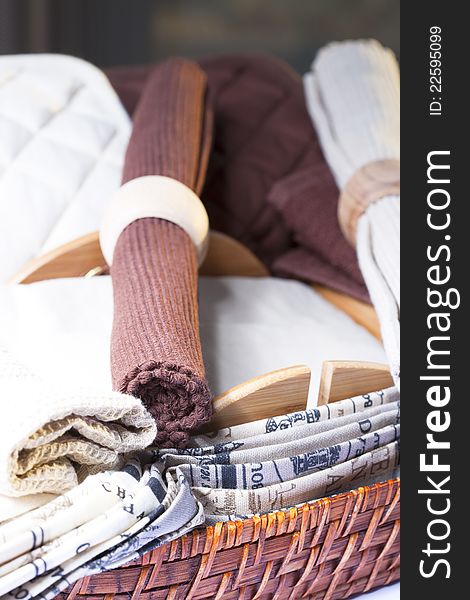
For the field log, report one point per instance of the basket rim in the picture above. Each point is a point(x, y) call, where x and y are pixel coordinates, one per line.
point(365, 519)
point(359, 494)
point(380, 498)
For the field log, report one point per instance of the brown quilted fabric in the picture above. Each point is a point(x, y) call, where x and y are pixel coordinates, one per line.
point(267, 184)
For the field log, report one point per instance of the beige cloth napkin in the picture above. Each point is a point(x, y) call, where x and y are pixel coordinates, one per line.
point(52, 436)
point(353, 96)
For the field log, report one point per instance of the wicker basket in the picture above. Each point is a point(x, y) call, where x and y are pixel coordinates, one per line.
point(325, 550)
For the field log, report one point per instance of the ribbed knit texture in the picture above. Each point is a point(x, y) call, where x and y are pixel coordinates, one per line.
point(172, 126)
point(155, 347)
point(268, 184)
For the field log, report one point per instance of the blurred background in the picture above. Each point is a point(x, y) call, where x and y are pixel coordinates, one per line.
point(118, 32)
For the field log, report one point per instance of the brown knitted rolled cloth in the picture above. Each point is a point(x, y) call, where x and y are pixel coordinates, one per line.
point(268, 184)
point(155, 346)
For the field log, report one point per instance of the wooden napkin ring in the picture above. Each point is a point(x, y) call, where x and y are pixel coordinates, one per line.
point(367, 185)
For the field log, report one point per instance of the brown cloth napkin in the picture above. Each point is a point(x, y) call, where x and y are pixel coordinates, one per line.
point(268, 184)
point(155, 346)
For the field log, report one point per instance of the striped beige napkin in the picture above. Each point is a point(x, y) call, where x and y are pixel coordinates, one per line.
point(53, 433)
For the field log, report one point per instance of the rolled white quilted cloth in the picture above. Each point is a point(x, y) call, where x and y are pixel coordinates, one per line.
point(54, 436)
point(353, 94)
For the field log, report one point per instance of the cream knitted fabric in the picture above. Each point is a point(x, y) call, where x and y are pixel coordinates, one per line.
point(353, 98)
point(48, 432)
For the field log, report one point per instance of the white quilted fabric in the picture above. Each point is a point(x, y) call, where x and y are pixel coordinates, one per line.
point(63, 135)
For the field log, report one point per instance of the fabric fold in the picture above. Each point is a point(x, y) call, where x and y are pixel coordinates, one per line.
point(268, 184)
point(100, 524)
point(62, 435)
point(353, 95)
point(161, 494)
point(155, 347)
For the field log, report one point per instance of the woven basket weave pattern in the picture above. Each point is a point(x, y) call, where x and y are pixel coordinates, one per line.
point(324, 550)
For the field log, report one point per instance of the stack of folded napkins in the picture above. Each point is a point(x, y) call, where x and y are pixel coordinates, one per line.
point(284, 461)
point(104, 522)
point(114, 517)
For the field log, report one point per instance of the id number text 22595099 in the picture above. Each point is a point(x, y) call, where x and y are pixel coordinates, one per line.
point(435, 70)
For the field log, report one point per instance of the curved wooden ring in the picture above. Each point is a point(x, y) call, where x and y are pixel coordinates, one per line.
point(367, 185)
